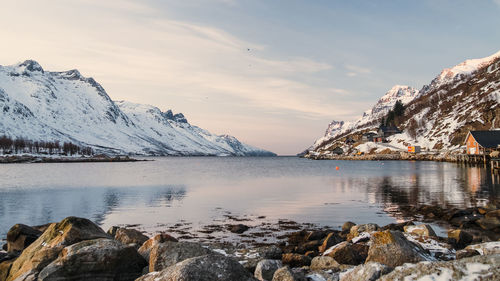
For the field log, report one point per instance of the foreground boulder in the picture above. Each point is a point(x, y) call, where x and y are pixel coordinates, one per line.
point(324, 263)
point(47, 247)
point(265, 269)
point(204, 268)
point(393, 249)
point(474, 268)
point(169, 253)
point(130, 236)
point(146, 247)
point(99, 260)
point(370, 271)
point(488, 248)
point(21, 236)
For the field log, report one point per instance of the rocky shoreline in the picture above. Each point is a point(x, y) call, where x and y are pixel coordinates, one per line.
point(439, 157)
point(78, 249)
point(62, 159)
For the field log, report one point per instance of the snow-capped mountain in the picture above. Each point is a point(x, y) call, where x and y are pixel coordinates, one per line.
point(371, 117)
point(461, 98)
point(46, 106)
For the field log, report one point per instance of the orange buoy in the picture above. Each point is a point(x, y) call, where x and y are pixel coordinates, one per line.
point(337, 168)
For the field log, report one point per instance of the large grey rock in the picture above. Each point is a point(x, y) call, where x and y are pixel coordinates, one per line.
point(98, 260)
point(169, 253)
point(288, 274)
point(370, 271)
point(129, 236)
point(21, 236)
point(265, 269)
point(393, 249)
point(475, 268)
point(47, 247)
point(204, 268)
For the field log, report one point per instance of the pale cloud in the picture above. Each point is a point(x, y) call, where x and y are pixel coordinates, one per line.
point(355, 70)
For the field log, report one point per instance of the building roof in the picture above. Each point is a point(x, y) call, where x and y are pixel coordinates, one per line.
point(391, 129)
point(487, 139)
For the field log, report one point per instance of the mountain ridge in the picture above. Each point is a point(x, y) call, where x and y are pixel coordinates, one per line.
point(66, 106)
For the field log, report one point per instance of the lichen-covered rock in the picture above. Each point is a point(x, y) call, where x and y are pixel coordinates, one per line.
point(265, 269)
point(331, 239)
point(203, 268)
point(475, 268)
point(21, 236)
point(295, 260)
point(487, 248)
point(370, 271)
point(393, 249)
point(131, 237)
point(348, 253)
point(47, 247)
point(169, 253)
point(98, 260)
point(146, 247)
point(288, 274)
point(324, 263)
point(357, 229)
point(421, 229)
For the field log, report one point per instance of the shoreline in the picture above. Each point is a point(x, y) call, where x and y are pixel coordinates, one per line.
point(403, 156)
point(17, 159)
point(303, 250)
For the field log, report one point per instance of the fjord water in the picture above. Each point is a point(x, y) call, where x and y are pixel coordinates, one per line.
point(200, 190)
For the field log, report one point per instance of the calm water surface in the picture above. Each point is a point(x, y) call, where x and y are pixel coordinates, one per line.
point(201, 190)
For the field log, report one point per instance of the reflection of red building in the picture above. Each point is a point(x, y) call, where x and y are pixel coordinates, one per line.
point(474, 178)
point(482, 142)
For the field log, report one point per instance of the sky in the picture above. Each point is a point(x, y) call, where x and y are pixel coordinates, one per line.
point(271, 73)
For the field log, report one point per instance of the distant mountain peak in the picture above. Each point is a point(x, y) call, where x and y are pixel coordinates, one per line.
point(31, 65)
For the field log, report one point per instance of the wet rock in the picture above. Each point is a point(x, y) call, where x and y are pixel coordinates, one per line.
point(488, 248)
point(357, 229)
point(316, 235)
point(348, 253)
point(99, 259)
point(288, 274)
point(393, 249)
point(5, 256)
point(203, 268)
point(265, 269)
point(346, 227)
point(238, 228)
point(21, 236)
point(474, 268)
point(166, 254)
point(272, 252)
point(47, 247)
point(460, 238)
point(296, 260)
point(397, 226)
point(466, 253)
point(131, 237)
point(324, 263)
point(370, 271)
point(297, 237)
point(489, 223)
point(331, 240)
point(146, 247)
point(307, 246)
point(112, 230)
point(421, 229)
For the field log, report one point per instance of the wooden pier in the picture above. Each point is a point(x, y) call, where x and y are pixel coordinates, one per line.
point(473, 158)
point(495, 165)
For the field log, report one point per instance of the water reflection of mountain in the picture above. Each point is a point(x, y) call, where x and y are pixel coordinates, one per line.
point(40, 206)
point(461, 188)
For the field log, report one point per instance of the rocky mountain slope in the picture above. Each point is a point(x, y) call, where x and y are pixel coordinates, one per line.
point(461, 98)
point(65, 106)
